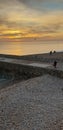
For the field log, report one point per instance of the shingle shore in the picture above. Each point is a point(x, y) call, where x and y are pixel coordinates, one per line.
point(35, 104)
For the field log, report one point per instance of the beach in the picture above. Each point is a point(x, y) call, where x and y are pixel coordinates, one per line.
point(31, 64)
point(35, 103)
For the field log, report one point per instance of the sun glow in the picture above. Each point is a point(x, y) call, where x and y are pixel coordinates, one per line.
point(31, 19)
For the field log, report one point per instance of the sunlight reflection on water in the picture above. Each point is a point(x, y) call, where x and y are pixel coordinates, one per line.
point(25, 48)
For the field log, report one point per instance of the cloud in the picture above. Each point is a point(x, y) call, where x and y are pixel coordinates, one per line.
point(28, 1)
point(42, 6)
point(47, 29)
point(38, 2)
point(30, 17)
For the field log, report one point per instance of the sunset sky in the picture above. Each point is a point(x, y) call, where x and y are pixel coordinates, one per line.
point(28, 19)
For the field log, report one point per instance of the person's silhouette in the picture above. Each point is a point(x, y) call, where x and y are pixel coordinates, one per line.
point(55, 63)
point(50, 52)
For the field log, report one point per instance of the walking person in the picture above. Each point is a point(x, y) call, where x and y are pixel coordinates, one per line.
point(55, 63)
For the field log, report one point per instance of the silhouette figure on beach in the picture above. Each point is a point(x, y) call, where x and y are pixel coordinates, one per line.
point(55, 63)
point(54, 51)
point(50, 52)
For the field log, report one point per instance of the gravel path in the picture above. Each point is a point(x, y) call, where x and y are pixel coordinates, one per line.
point(35, 104)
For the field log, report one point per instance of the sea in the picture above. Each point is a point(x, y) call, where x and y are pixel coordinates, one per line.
point(30, 47)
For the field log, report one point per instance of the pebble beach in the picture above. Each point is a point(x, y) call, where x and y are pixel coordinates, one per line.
point(33, 104)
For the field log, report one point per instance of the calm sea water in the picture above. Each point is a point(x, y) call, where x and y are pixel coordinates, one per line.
point(34, 47)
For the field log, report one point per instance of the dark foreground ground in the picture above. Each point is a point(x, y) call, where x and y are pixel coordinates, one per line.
point(34, 104)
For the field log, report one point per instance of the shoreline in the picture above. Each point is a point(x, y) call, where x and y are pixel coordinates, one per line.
point(6, 61)
point(57, 55)
point(35, 103)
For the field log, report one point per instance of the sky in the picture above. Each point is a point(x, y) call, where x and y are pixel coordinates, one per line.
point(30, 19)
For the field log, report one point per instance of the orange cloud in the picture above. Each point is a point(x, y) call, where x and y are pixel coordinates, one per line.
point(24, 22)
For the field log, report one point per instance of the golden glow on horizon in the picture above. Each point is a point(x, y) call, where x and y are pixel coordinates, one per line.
point(22, 21)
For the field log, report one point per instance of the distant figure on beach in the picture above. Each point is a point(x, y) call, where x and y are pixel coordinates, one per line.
point(54, 51)
point(50, 52)
point(55, 63)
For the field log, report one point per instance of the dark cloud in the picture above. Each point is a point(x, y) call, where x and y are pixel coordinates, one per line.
point(9, 24)
point(9, 34)
point(16, 35)
point(28, 2)
point(3, 20)
point(34, 4)
point(42, 5)
point(51, 28)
